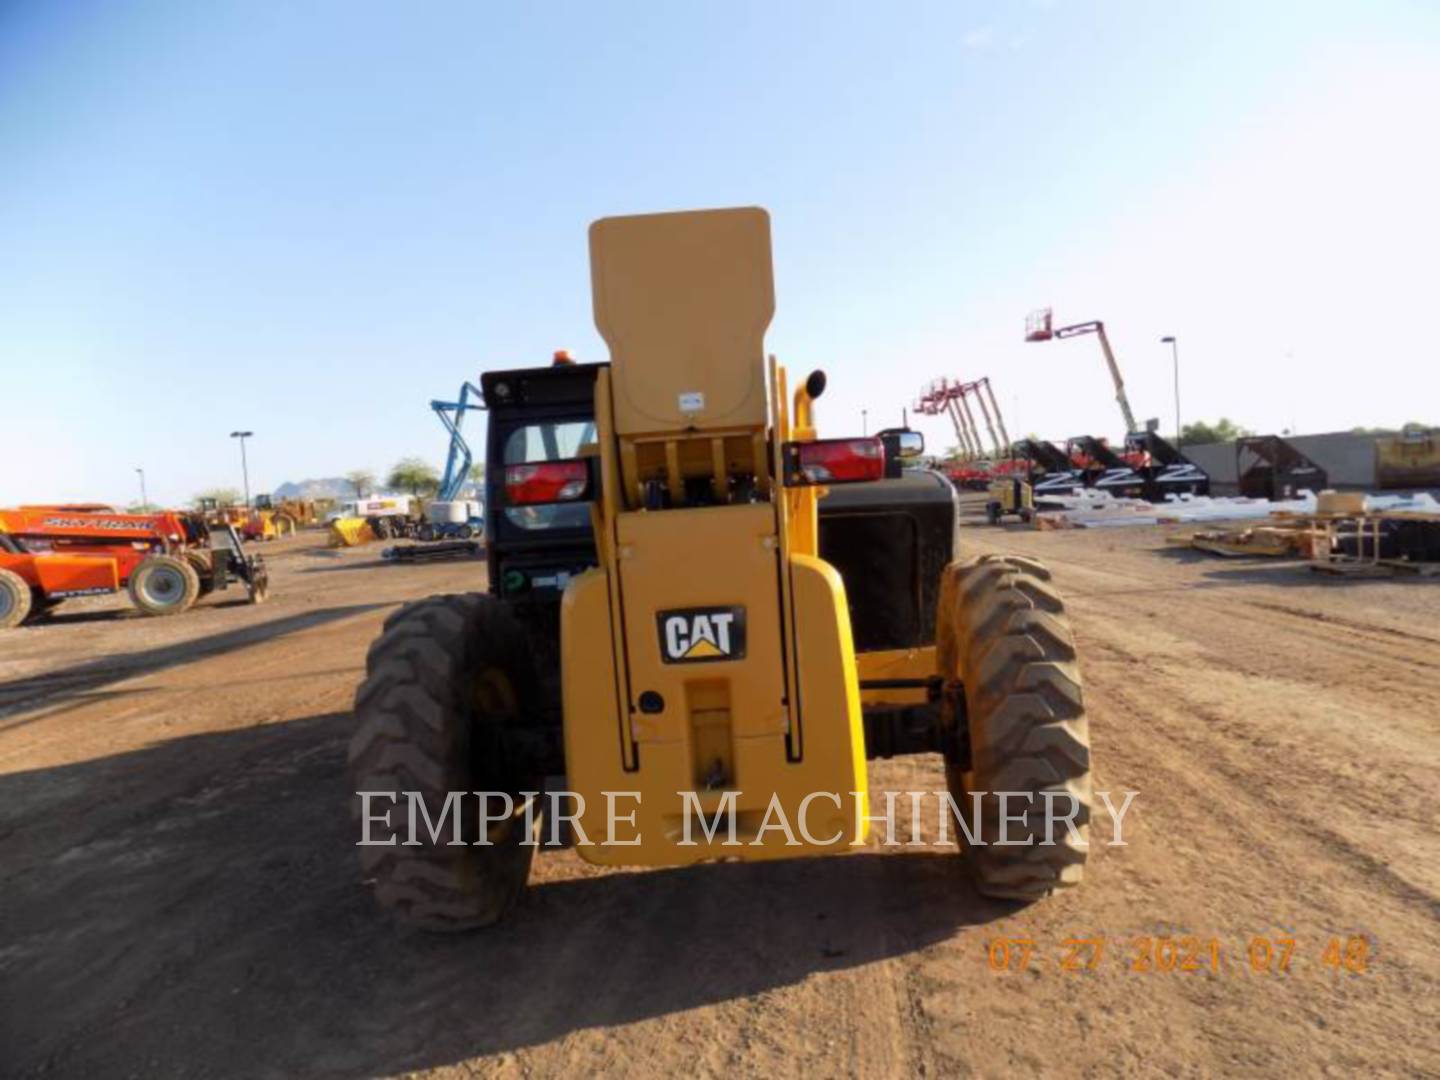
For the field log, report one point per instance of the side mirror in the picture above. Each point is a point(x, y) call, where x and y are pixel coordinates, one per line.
point(902, 442)
point(901, 445)
point(542, 483)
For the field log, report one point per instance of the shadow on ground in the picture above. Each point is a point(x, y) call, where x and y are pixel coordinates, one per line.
point(194, 908)
point(478, 561)
point(1291, 574)
point(63, 687)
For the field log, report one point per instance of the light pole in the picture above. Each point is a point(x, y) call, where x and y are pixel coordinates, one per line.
point(144, 499)
point(864, 421)
point(244, 465)
point(1175, 355)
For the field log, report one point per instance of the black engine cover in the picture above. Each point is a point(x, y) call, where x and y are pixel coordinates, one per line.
point(890, 540)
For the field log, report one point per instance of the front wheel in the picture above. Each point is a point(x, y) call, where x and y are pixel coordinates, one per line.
point(445, 679)
point(204, 570)
point(164, 585)
point(259, 586)
point(1003, 631)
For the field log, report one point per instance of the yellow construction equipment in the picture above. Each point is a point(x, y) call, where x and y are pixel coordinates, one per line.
point(1010, 496)
point(291, 515)
point(350, 532)
point(706, 618)
point(1408, 460)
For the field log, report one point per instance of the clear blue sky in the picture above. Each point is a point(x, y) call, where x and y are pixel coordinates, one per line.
point(309, 219)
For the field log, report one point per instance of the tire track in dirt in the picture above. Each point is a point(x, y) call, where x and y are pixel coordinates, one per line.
point(217, 926)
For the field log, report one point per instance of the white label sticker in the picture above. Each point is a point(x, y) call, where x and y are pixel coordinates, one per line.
point(692, 402)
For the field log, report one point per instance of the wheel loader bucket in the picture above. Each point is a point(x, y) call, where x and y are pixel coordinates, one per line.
point(350, 532)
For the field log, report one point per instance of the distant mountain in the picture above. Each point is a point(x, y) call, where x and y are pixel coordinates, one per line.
point(326, 487)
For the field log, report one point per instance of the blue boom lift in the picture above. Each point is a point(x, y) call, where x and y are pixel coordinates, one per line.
point(457, 468)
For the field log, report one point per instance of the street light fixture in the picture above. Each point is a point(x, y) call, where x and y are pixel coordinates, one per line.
point(1175, 355)
point(244, 465)
point(144, 499)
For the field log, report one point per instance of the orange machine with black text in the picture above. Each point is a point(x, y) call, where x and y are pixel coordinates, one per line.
point(166, 560)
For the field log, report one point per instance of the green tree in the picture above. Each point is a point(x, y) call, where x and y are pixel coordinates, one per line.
point(1414, 427)
point(362, 480)
point(414, 475)
point(477, 473)
point(1223, 430)
point(223, 496)
point(137, 507)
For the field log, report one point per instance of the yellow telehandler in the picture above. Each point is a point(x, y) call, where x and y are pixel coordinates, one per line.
point(706, 619)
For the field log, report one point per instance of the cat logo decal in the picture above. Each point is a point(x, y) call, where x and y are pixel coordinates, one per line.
point(697, 635)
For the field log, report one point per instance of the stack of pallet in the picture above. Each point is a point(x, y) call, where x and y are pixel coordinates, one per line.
point(1284, 540)
point(1346, 533)
point(1365, 541)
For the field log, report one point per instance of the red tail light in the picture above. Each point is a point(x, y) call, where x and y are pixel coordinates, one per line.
point(834, 461)
point(537, 483)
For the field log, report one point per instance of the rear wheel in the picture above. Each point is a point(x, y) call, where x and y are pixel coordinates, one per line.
point(15, 599)
point(443, 680)
point(1004, 632)
point(164, 585)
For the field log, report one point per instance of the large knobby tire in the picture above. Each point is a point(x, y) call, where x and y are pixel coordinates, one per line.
point(444, 678)
point(15, 599)
point(164, 585)
point(1007, 637)
point(204, 570)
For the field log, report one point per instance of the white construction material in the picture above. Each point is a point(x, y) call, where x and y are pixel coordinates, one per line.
point(1097, 510)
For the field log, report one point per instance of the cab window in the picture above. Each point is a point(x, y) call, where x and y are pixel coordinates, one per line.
point(551, 441)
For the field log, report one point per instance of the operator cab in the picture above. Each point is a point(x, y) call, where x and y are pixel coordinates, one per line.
point(537, 415)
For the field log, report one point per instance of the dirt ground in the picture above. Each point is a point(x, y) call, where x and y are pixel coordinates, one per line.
point(179, 895)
